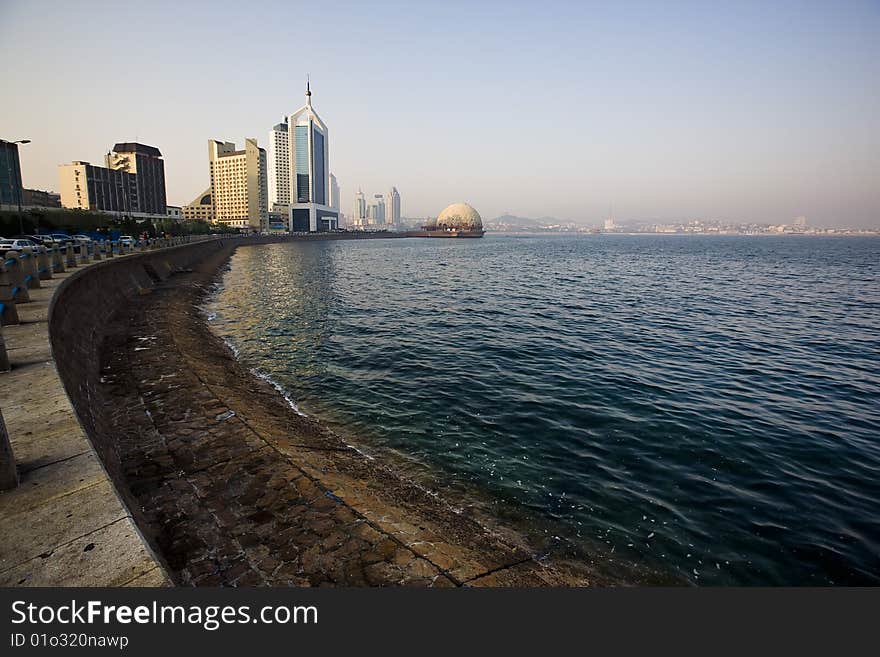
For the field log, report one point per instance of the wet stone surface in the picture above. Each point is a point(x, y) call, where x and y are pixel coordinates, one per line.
point(234, 488)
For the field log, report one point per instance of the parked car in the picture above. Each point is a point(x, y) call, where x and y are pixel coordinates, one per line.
point(15, 245)
point(126, 239)
point(45, 240)
point(26, 238)
point(61, 239)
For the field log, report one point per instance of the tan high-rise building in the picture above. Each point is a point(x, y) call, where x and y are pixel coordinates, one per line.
point(239, 195)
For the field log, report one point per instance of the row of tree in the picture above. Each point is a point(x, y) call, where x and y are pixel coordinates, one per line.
point(72, 221)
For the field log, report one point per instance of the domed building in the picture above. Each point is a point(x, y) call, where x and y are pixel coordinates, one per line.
point(456, 220)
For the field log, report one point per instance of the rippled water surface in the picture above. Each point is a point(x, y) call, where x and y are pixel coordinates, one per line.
point(708, 408)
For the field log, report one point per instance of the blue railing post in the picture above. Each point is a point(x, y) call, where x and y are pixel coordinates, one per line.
point(8, 311)
point(70, 259)
point(44, 263)
point(8, 471)
point(16, 276)
point(4, 357)
point(29, 268)
point(57, 260)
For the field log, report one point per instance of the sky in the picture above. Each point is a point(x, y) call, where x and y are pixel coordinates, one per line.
point(746, 111)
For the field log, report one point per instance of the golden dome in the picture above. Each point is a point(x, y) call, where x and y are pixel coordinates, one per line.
point(459, 216)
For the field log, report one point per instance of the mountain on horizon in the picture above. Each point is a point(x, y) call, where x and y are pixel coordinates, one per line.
point(513, 222)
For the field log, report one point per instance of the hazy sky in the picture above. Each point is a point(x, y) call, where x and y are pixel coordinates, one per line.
point(759, 111)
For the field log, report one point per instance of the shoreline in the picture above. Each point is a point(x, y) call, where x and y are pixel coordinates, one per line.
point(237, 489)
point(590, 559)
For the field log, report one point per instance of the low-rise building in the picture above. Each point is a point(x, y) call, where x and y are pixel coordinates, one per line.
point(200, 209)
point(38, 198)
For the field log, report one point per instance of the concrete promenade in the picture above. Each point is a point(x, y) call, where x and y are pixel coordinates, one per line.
point(64, 525)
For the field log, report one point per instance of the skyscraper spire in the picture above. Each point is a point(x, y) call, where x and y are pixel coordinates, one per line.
point(308, 91)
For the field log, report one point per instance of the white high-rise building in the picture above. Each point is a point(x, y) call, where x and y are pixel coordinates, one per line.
point(310, 208)
point(334, 193)
point(392, 209)
point(359, 213)
point(278, 166)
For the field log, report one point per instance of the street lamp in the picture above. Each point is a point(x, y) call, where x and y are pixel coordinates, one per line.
point(9, 173)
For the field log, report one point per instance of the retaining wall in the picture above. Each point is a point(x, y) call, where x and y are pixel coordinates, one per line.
point(80, 309)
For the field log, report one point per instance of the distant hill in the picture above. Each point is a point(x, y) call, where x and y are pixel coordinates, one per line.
point(512, 222)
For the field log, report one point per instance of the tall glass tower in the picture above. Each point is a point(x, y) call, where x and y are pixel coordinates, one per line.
point(310, 204)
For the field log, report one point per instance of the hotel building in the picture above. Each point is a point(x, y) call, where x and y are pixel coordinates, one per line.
point(239, 195)
point(309, 158)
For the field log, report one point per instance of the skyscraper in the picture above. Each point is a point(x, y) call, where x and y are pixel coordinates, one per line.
point(377, 210)
point(392, 209)
point(334, 193)
point(359, 214)
point(239, 196)
point(310, 208)
point(278, 166)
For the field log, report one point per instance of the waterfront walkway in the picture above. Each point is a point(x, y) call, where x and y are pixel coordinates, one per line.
point(64, 525)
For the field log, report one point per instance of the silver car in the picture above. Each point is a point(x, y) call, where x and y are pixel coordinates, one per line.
point(15, 245)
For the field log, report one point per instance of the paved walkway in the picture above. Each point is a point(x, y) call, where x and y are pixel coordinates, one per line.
point(64, 525)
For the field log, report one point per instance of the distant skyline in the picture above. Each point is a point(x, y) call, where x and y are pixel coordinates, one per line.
point(754, 111)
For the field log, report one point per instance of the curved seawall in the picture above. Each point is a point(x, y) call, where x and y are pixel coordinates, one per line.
point(229, 485)
point(66, 523)
point(79, 313)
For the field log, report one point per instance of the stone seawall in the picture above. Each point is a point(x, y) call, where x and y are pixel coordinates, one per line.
point(79, 313)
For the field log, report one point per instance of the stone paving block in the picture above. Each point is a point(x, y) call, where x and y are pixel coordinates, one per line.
point(37, 531)
point(57, 438)
point(44, 486)
point(111, 556)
